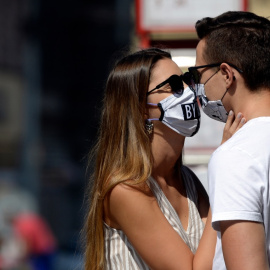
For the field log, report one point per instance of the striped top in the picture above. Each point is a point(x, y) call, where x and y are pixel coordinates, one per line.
point(119, 252)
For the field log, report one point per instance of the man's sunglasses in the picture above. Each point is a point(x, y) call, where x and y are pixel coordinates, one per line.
point(196, 75)
point(176, 83)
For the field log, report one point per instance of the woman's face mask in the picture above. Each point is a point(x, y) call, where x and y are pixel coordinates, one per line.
point(214, 109)
point(180, 113)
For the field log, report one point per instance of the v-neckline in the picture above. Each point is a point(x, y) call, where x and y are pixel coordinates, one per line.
point(172, 208)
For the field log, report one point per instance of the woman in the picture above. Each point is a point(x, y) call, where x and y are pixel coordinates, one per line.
point(147, 210)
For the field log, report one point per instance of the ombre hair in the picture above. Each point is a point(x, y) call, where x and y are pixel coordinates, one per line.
point(123, 149)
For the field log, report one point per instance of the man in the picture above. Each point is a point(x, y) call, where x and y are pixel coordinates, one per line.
point(232, 74)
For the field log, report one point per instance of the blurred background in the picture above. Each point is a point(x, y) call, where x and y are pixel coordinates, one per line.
point(55, 56)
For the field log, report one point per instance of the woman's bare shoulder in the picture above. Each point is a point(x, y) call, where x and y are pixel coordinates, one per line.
point(125, 198)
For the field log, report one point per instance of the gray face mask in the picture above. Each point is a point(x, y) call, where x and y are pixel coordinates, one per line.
point(180, 113)
point(214, 109)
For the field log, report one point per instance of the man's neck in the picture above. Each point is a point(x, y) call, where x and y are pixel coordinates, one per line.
point(254, 104)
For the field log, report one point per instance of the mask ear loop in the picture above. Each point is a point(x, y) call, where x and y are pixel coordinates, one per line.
point(212, 76)
point(155, 105)
point(224, 94)
point(227, 89)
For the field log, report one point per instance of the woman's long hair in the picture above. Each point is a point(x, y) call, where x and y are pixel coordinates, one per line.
point(123, 148)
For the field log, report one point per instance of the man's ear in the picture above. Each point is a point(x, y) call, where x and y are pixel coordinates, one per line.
point(228, 74)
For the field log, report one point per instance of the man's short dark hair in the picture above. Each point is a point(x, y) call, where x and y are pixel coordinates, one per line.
point(240, 38)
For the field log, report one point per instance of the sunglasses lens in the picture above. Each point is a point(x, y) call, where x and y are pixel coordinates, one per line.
point(196, 76)
point(176, 84)
point(189, 80)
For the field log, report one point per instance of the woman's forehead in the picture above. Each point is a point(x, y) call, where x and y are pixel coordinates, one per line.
point(164, 68)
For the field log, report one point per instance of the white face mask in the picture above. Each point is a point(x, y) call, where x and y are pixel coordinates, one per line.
point(180, 113)
point(214, 109)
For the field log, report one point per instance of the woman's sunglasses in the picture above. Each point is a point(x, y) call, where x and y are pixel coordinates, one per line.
point(176, 83)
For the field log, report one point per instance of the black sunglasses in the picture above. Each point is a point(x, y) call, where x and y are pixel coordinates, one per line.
point(196, 75)
point(176, 83)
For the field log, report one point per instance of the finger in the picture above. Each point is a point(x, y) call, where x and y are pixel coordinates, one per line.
point(227, 131)
point(232, 125)
point(241, 123)
point(236, 123)
point(229, 120)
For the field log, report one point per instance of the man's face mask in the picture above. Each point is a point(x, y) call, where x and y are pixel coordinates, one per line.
point(180, 112)
point(214, 109)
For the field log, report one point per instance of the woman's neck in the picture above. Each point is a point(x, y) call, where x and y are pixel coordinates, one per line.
point(166, 152)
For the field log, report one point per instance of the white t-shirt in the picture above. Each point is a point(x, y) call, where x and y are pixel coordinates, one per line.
point(239, 179)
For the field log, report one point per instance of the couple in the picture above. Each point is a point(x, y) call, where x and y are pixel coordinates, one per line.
point(149, 211)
